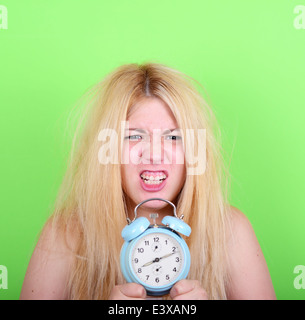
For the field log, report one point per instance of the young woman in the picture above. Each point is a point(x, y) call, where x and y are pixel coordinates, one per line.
point(147, 133)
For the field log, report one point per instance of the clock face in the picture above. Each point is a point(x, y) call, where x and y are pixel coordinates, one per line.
point(157, 259)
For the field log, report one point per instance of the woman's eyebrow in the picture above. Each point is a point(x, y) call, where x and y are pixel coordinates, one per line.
point(136, 129)
point(144, 131)
point(170, 130)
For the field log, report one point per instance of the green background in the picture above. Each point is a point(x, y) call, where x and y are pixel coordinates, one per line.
point(247, 54)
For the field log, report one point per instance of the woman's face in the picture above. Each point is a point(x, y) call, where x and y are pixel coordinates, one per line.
point(153, 155)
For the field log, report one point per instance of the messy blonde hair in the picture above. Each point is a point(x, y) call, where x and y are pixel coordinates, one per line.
point(91, 197)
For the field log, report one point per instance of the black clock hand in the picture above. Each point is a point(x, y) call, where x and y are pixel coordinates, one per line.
point(167, 255)
point(150, 262)
point(157, 260)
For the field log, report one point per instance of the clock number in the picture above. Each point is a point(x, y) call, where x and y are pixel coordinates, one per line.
point(154, 247)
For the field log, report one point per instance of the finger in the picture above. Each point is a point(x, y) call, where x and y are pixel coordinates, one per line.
point(133, 290)
point(188, 290)
point(182, 287)
point(196, 294)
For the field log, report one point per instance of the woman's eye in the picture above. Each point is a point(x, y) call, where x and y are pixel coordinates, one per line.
point(134, 137)
point(173, 137)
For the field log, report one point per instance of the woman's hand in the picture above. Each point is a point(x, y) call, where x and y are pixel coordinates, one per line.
point(188, 290)
point(128, 291)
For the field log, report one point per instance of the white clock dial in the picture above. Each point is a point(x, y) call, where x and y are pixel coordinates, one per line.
point(157, 259)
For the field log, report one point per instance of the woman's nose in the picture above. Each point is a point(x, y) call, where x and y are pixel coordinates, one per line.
point(153, 151)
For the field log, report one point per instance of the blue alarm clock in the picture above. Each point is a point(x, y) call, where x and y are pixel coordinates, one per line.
point(155, 256)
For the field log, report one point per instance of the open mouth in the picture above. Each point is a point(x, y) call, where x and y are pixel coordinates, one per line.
point(153, 177)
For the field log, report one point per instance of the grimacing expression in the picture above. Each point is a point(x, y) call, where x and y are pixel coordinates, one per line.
point(155, 155)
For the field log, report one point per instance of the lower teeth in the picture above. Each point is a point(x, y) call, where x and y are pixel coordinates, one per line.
point(153, 181)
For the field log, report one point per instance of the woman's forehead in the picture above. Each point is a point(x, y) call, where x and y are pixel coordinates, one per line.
point(151, 111)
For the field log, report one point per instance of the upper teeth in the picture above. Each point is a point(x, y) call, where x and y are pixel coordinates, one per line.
point(159, 176)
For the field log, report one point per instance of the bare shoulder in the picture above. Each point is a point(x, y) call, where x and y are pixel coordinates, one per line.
point(240, 227)
point(48, 270)
point(250, 278)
